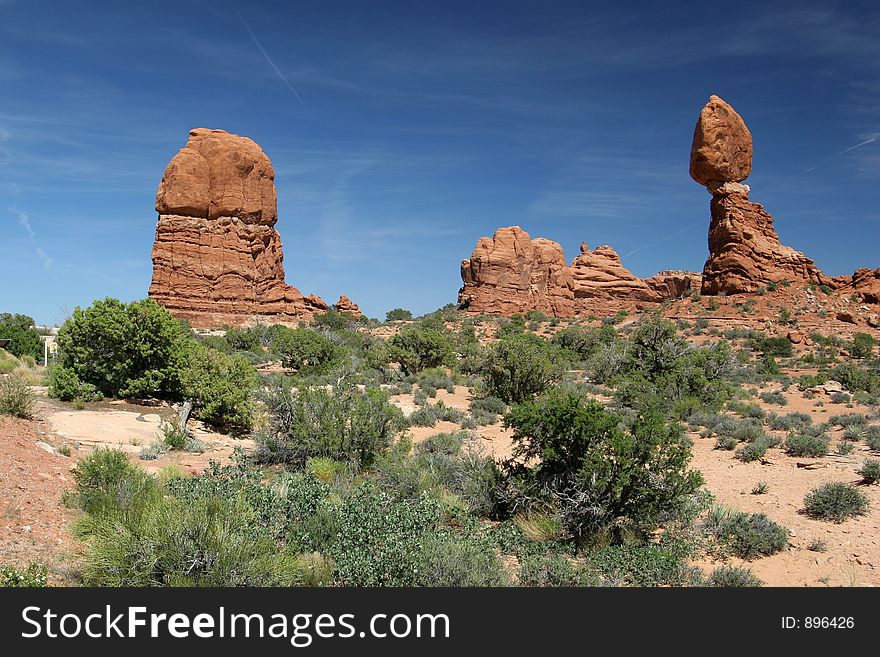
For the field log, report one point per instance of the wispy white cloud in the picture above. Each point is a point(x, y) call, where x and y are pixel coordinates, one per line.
point(25, 221)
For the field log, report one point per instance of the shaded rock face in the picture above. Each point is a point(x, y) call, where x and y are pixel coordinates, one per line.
point(745, 253)
point(217, 257)
point(866, 284)
point(512, 273)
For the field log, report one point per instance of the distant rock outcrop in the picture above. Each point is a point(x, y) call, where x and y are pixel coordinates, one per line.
point(511, 273)
point(745, 253)
point(217, 257)
point(347, 306)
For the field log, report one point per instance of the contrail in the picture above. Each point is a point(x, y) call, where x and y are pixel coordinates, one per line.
point(268, 59)
point(25, 222)
point(665, 239)
point(869, 140)
point(283, 77)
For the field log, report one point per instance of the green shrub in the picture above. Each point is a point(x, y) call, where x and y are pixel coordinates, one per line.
point(870, 471)
point(862, 345)
point(16, 397)
point(303, 349)
point(777, 346)
point(750, 535)
point(856, 378)
point(790, 421)
point(220, 386)
point(847, 420)
point(398, 314)
point(773, 398)
point(583, 342)
point(753, 451)
point(379, 538)
point(520, 367)
point(418, 347)
point(836, 502)
point(872, 437)
point(575, 455)
point(125, 350)
point(343, 424)
point(451, 560)
point(803, 444)
point(25, 338)
point(107, 479)
point(543, 570)
point(154, 450)
point(172, 434)
point(726, 442)
point(761, 488)
point(244, 339)
point(34, 576)
point(65, 385)
point(733, 577)
point(202, 542)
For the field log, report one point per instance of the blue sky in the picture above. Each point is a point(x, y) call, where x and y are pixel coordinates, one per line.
point(402, 132)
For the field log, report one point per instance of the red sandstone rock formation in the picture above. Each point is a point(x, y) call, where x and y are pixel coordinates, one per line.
point(745, 253)
point(347, 306)
point(511, 273)
point(217, 257)
point(674, 283)
point(865, 283)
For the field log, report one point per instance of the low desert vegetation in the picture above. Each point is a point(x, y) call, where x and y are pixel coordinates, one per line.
point(599, 489)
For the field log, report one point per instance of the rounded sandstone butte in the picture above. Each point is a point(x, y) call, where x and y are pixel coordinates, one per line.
point(219, 174)
point(722, 148)
point(217, 258)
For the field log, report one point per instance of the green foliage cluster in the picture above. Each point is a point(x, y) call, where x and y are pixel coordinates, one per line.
point(16, 398)
point(25, 338)
point(748, 535)
point(419, 346)
point(33, 576)
point(342, 423)
point(519, 367)
point(303, 349)
point(835, 501)
point(604, 478)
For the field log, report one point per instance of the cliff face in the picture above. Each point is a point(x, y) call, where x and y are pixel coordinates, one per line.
point(217, 257)
point(511, 273)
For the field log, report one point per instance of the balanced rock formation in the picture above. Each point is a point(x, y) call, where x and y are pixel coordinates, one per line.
point(348, 307)
point(745, 253)
point(217, 257)
point(512, 273)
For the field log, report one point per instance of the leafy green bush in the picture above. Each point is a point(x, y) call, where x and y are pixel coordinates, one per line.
point(856, 378)
point(862, 345)
point(125, 350)
point(750, 535)
point(583, 342)
point(733, 577)
point(575, 455)
point(220, 386)
point(847, 420)
point(303, 349)
point(779, 346)
point(520, 367)
point(870, 471)
point(872, 437)
point(343, 424)
point(418, 347)
point(835, 501)
point(398, 314)
point(804, 444)
point(16, 397)
point(25, 339)
point(173, 435)
point(34, 576)
point(244, 339)
point(65, 385)
point(379, 538)
point(726, 442)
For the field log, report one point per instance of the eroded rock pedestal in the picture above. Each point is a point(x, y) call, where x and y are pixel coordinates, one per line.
point(745, 253)
point(217, 257)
